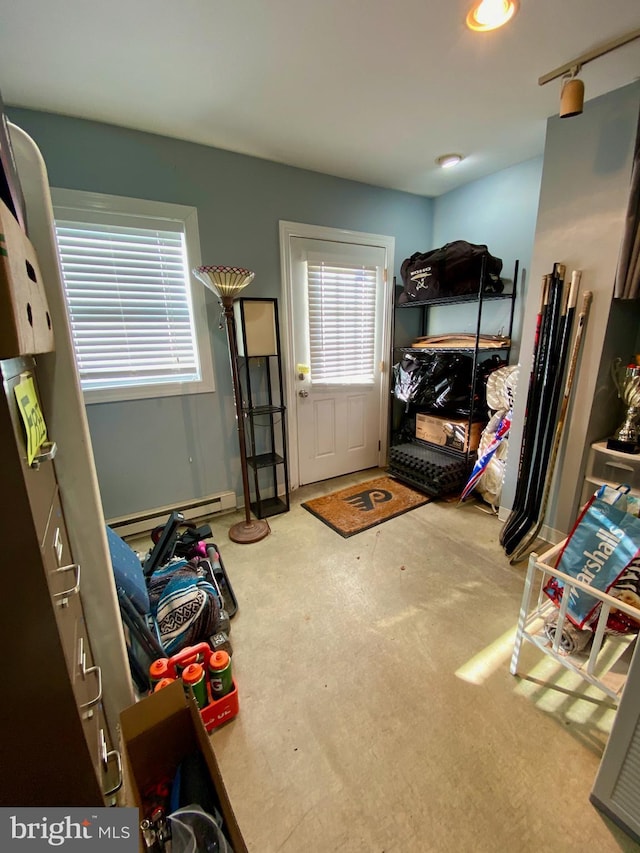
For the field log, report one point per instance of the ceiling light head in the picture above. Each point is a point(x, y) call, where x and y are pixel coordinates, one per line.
point(487, 15)
point(446, 161)
point(571, 95)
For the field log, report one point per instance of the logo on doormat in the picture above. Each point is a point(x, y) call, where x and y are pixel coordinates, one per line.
point(366, 501)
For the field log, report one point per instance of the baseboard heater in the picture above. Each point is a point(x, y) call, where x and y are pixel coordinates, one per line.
point(144, 522)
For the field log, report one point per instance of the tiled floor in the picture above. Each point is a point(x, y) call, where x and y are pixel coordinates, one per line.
point(377, 712)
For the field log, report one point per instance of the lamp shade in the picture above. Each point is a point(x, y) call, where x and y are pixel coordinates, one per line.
point(224, 281)
point(256, 325)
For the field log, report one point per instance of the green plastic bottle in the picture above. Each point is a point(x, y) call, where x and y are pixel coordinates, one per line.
point(220, 677)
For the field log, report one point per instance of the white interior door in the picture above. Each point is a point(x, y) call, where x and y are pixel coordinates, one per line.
point(338, 314)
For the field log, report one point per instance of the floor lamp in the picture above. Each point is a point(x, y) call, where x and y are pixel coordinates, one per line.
point(226, 283)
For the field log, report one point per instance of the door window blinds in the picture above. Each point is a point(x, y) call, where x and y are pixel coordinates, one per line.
point(342, 314)
point(129, 303)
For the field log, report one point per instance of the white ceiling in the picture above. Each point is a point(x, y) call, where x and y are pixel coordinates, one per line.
point(372, 90)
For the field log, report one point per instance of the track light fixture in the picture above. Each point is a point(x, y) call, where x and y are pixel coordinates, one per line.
point(571, 94)
point(572, 91)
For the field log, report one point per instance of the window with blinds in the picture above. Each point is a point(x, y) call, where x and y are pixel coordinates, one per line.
point(342, 315)
point(137, 316)
point(129, 302)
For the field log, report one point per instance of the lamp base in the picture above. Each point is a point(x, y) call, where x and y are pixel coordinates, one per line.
point(246, 532)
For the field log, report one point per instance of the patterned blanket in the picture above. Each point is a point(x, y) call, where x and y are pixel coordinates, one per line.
point(184, 605)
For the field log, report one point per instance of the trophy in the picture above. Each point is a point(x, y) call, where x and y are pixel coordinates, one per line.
point(626, 378)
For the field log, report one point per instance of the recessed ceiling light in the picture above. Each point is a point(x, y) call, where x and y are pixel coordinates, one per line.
point(448, 160)
point(491, 14)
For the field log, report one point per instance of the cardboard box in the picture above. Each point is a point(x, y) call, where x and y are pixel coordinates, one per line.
point(157, 733)
point(25, 322)
point(10, 189)
point(448, 432)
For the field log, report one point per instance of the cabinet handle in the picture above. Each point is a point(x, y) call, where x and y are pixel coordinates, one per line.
point(105, 757)
point(75, 567)
point(98, 697)
point(58, 545)
point(84, 672)
point(47, 452)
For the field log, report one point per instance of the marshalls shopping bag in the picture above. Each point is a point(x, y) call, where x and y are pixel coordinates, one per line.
point(602, 544)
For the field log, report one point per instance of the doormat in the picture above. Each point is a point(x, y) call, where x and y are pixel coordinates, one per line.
point(360, 507)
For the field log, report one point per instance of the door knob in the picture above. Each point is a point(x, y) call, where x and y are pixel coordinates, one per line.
point(303, 393)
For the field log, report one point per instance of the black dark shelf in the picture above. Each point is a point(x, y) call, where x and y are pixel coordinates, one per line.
point(268, 507)
point(259, 370)
point(264, 410)
point(452, 349)
point(264, 460)
point(455, 300)
point(434, 468)
point(479, 414)
point(449, 451)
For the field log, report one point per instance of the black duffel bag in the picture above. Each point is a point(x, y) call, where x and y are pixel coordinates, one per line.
point(440, 380)
point(453, 270)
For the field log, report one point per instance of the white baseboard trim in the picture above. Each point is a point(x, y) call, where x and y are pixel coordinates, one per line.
point(549, 534)
point(145, 521)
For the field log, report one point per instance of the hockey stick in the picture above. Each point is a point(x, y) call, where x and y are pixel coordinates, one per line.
point(531, 391)
point(522, 551)
point(551, 390)
point(544, 376)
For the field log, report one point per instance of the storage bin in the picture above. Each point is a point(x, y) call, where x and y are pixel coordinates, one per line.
point(613, 466)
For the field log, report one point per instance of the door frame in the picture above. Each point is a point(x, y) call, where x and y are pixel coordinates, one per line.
point(288, 230)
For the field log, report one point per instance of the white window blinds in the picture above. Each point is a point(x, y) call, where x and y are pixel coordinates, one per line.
point(342, 314)
point(129, 302)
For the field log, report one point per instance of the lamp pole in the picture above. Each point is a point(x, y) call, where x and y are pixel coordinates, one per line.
point(249, 530)
point(226, 282)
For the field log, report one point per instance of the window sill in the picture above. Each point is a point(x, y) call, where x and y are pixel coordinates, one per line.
point(146, 392)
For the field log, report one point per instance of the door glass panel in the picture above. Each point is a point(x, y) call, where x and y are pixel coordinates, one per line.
point(342, 323)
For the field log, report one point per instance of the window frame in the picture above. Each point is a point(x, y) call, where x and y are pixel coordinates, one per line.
point(83, 206)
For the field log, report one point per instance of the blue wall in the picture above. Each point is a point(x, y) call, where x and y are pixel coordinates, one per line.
point(499, 211)
point(160, 451)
